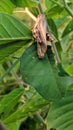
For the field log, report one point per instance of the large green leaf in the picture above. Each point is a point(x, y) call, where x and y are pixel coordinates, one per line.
point(68, 28)
point(60, 116)
point(6, 6)
point(9, 101)
point(12, 29)
point(40, 74)
point(13, 35)
point(48, 80)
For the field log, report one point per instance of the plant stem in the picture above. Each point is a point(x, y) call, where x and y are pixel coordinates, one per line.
point(15, 75)
point(30, 14)
point(56, 53)
point(64, 6)
point(58, 3)
point(53, 44)
point(69, 46)
point(10, 68)
point(67, 8)
point(40, 118)
point(26, 10)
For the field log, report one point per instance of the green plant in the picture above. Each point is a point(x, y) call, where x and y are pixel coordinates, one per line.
point(51, 77)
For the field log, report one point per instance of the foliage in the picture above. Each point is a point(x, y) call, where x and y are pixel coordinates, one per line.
point(33, 89)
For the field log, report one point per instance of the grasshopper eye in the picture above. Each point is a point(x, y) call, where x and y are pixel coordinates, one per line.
point(34, 33)
point(49, 38)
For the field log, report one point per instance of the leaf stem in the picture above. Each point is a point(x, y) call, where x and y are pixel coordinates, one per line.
point(13, 72)
point(26, 10)
point(64, 6)
point(56, 53)
point(30, 14)
point(67, 8)
point(8, 71)
point(58, 3)
point(53, 44)
point(40, 118)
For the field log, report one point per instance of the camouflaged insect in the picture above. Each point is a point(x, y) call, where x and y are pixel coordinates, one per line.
point(39, 33)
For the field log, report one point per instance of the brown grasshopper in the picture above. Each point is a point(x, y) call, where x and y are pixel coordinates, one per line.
point(40, 35)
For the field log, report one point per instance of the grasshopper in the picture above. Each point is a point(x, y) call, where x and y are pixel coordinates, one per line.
point(40, 35)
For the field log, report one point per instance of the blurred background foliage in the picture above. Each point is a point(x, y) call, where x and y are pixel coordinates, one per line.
point(21, 107)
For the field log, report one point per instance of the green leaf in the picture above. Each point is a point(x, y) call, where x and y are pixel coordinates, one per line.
point(65, 41)
point(54, 10)
point(5, 73)
point(33, 105)
point(40, 74)
point(6, 6)
point(25, 3)
point(59, 48)
point(13, 35)
point(60, 21)
point(53, 27)
point(12, 29)
point(48, 4)
point(9, 101)
point(7, 50)
point(69, 69)
point(34, 11)
point(60, 116)
point(68, 28)
point(67, 81)
point(13, 126)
